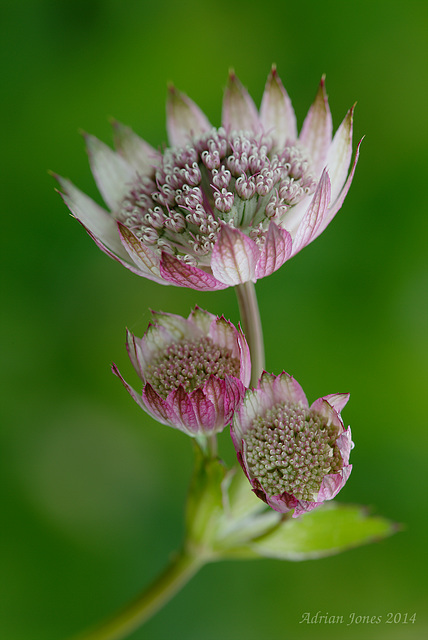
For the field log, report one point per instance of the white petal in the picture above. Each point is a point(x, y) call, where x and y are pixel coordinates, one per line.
point(317, 130)
point(185, 120)
point(339, 155)
point(112, 173)
point(313, 219)
point(93, 217)
point(276, 111)
point(239, 110)
point(136, 151)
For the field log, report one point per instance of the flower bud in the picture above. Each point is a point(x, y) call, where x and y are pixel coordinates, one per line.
point(295, 456)
point(194, 371)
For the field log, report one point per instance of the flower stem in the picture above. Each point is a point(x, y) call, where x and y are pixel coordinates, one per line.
point(182, 567)
point(252, 326)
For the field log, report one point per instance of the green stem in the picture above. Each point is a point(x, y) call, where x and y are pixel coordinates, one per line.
point(183, 566)
point(252, 326)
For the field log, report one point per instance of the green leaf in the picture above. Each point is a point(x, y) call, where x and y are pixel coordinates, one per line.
point(328, 530)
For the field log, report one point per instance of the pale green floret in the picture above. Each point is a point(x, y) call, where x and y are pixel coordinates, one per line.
point(291, 449)
point(190, 363)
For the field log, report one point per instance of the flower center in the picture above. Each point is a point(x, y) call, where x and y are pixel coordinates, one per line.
point(190, 363)
point(234, 179)
point(291, 449)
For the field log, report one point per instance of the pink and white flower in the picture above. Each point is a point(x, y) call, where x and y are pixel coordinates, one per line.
point(194, 371)
point(295, 456)
point(224, 206)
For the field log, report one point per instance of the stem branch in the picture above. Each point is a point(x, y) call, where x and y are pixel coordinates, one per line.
point(183, 566)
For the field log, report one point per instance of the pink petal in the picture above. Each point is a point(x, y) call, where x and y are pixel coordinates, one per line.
point(325, 409)
point(283, 502)
point(158, 407)
point(223, 333)
point(206, 413)
point(276, 250)
point(239, 111)
point(312, 221)
point(245, 359)
point(337, 400)
point(135, 353)
point(282, 388)
point(214, 390)
point(146, 259)
point(234, 257)
point(138, 399)
point(339, 155)
point(184, 275)
point(191, 411)
point(185, 120)
point(345, 445)
point(136, 151)
point(317, 129)
point(304, 506)
point(150, 401)
point(333, 483)
point(276, 112)
point(112, 173)
point(107, 251)
point(234, 393)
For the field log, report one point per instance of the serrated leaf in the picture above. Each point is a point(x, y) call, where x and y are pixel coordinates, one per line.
point(326, 531)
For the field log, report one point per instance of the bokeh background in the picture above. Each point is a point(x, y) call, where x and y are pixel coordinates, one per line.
point(91, 489)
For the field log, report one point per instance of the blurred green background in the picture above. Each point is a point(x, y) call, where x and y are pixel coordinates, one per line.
point(92, 490)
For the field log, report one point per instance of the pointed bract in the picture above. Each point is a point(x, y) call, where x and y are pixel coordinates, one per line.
point(184, 119)
point(276, 250)
point(276, 112)
point(112, 173)
point(136, 151)
point(92, 216)
point(317, 129)
point(234, 257)
point(176, 272)
point(314, 216)
point(239, 110)
point(339, 155)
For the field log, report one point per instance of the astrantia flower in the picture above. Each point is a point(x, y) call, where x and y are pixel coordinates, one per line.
point(194, 370)
point(224, 206)
point(295, 456)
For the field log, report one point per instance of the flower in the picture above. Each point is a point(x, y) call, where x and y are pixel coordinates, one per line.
point(295, 456)
point(224, 206)
point(194, 370)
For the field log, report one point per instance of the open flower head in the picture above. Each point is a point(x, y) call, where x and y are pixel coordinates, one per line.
point(194, 371)
point(295, 456)
point(219, 206)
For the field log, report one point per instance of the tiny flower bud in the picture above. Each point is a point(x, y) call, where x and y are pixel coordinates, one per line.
point(194, 371)
point(294, 456)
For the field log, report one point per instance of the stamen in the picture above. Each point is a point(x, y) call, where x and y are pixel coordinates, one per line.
point(237, 177)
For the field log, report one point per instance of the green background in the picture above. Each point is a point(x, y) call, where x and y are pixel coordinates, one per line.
point(92, 490)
